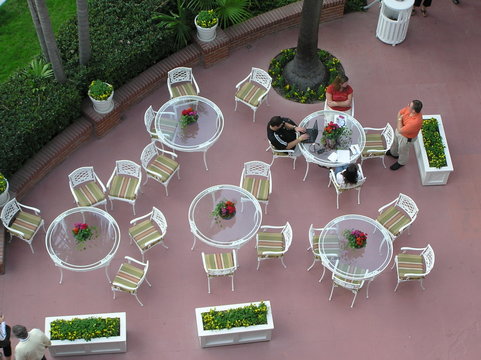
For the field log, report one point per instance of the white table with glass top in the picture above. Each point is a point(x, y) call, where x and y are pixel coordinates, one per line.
point(352, 263)
point(67, 253)
point(224, 233)
point(196, 137)
point(346, 149)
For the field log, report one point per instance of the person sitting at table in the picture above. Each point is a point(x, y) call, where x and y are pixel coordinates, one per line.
point(282, 133)
point(347, 175)
point(339, 95)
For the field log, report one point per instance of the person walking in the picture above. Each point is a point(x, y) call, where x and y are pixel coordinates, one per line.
point(5, 338)
point(424, 6)
point(32, 344)
point(409, 123)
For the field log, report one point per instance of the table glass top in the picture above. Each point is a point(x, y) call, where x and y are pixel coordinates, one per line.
point(193, 137)
point(333, 152)
point(96, 252)
point(374, 257)
point(231, 233)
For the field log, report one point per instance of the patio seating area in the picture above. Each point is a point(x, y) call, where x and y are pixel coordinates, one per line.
point(438, 63)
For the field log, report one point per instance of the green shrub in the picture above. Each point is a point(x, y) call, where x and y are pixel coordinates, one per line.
point(239, 317)
point(3, 183)
point(354, 5)
point(86, 329)
point(433, 143)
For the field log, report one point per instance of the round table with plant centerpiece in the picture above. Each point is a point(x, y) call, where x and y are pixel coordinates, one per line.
point(224, 216)
point(189, 124)
point(361, 247)
point(83, 239)
point(340, 140)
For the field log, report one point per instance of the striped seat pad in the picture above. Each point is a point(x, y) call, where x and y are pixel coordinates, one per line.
point(250, 93)
point(219, 261)
point(183, 89)
point(89, 194)
point(163, 167)
point(123, 187)
point(350, 269)
point(330, 245)
point(145, 234)
point(393, 219)
point(26, 223)
point(374, 142)
point(410, 264)
point(257, 187)
point(268, 241)
point(168, 127)
point(128, 277)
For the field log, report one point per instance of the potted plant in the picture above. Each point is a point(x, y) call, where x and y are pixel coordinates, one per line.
point(189, 116)
point(101, 94)
point(225, 210)
point(206, 24)
point(356, 239)
point(332, 135)
point(82, 233)
point(4, 195)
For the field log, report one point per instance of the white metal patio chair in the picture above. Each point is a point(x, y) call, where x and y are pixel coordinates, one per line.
point(331, 246)
point(378, 143)
point(86, 187)
point(148, 231)
point(414, 267)
point(282, 154)
point(257, 179)
point(352, 285)
point(398, 215)
point(340, 189)
point(273, 244)
point(253, 90)
point(124, 183)
point(181, 82)
point(220, 264)
point(130, 276)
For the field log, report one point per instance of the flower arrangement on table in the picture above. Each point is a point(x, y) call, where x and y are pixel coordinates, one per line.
point(189, 116)
point(224, 210)
point(239, 317)
point(86, 329)
point(82, 233)
point(207, 19)
point(356, 239)
point(433, 143)
point(100, 90)
point(3, 183)
point(332, 133)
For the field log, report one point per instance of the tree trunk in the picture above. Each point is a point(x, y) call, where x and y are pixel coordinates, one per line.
point(306, 70)
point(83, 31)
point(50, 42)
point(38, 28)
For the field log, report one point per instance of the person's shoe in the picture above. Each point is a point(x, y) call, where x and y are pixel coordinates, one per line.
point(456, 2)
point(388, 153)
point(396, 166)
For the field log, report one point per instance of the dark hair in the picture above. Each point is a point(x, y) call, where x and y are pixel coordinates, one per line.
point(276, 121)
point(350, 174)
point(20, 331)
point(340, 79)
point(417, 106)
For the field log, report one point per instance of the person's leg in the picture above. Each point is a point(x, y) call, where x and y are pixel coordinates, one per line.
point(417, 3)
point(7, 351)
point(394, 150)
point(404, 147)
point(340, 168)
point(426, 4)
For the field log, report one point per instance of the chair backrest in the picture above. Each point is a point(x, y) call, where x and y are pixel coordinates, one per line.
point(158, 217)
point(388, 135)
point(287, 233)
point(408, 205)
point(261, 77)
point(180, 74)
point(149, 152)
point(9, 211)
point(82, 175)
point(149, 118)
point(257, 168)
point(127, 167)
point(428, 255)
point(360, 180)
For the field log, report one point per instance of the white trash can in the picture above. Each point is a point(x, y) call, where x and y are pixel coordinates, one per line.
point(393, 21)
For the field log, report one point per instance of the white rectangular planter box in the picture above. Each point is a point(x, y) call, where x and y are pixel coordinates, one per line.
point(238, 335)
point(431, 175)
point(104, 345)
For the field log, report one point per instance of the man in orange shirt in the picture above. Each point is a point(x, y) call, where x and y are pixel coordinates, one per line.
point(409, 122)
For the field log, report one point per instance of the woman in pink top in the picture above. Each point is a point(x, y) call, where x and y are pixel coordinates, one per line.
point(339, 95)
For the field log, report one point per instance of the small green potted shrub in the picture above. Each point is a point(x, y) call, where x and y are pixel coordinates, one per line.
point(206, 23)
point(4, 195)
point(101, 94)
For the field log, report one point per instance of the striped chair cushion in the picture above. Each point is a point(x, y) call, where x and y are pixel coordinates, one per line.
point(393, 219)
point(182, 89)
point(410, 264)
point(89, 194)
point(163, 167)
point(145, 234)
point(250, 93)
point(128, 277)
point(219, 261)
point(257, 187)
point(267, 241)
point(168, 127)
point(331, 245)
point(374, 142)
point(26, 223)
point(123, 187)
point(350, 269)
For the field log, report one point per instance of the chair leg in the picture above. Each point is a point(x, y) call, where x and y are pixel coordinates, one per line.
point(337, 200)
point(396, 286)
point(421, 282)
point(353, 300)
point(138, 300)
point(367, 289)
point(133, 207)
point(113, 291)
point(307, 170)
point(232, 281)
point(294, 163)
point(166, 191)
point(323, 273)
point(235, 109)
point(382, 162)
point(254, 116)
point(208, 284)
point(282, 261)
point(265, 209)
point(192, 248)
point(310, 267)
point(147, 281)
point(163, 244)
point(332, 290)
point(258, 263)
point(359, 196)
point(33, 252)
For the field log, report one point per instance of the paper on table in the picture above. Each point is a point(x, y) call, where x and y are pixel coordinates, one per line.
point(332, 157)
point(343, 156)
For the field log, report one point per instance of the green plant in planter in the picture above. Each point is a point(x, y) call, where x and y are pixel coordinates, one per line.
point(179, 23)
point(100, 90)
point(207, 18)
point(249, 315)
point(3, 183)
point(433, 143)
point(86, 329)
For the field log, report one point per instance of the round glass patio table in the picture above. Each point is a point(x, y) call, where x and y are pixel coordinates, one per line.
point(353, 263)
point(350, 145)
point(196, 137)
point(95, 253)
point(222, 233)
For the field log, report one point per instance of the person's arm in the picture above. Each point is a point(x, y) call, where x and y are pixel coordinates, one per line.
point(293, 143)
point(46, 341)
point(346, 103)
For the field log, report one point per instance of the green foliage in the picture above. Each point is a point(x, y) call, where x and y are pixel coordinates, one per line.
point(232, 12)
point(257, 7)
point(239, 317)
point(291, 92)
point(207, 18)
point(3, 183)
point(354, 5)
point(40, 69)
point(86, 329)
point(178, 22)
point(100, 90)
point(433, 143)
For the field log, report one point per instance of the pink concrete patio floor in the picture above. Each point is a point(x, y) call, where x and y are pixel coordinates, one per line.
point(438, 63)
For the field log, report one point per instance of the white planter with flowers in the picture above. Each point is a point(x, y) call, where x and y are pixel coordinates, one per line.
point(4, 194)
point(235, 335)
point(206, 24)
point(431, 175)
point(95, 346)
point(101, 94)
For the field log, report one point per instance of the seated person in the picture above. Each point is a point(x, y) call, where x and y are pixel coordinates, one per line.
point(339, 95)
point(347, 176)
point(281, 133)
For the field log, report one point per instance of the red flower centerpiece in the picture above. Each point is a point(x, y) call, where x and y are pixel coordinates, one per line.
point(331, 134)
point(224, 210)
point(356, 239)
point(189, 116)
point(82, 233)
